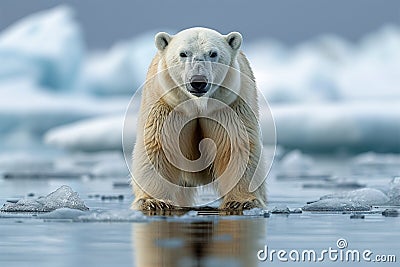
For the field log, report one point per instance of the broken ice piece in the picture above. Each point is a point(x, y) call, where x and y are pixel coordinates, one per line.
point(390, 213)
point(277, 210)
point(357, 216)
point(63, 197)
point(335, 204)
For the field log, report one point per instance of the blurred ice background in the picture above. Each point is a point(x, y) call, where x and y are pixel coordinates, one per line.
point(327, 93)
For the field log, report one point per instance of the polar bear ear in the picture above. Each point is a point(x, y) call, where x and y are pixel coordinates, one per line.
point(234, 39)
point(162, 39)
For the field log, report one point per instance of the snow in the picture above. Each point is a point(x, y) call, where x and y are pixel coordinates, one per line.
point(46, 47)
point(63, 197)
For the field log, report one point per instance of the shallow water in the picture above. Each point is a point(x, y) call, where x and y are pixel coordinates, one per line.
point(111, 235)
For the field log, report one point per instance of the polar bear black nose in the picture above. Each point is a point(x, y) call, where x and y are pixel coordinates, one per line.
point(198, 82)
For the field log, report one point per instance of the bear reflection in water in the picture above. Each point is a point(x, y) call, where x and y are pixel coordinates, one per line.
point(219, 242)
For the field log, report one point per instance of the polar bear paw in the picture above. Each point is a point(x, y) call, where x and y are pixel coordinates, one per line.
point(241, 205)
point(151, 204)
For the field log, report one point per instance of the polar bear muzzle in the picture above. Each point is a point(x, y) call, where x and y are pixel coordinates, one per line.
point(198, 85)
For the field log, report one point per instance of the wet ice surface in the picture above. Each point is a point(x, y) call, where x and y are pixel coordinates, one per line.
point(110, 234)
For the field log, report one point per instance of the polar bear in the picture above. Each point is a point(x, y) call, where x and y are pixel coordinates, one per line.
point(198, 124)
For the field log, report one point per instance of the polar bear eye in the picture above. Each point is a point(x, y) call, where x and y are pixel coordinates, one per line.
point(183, 54)
point(213, 54)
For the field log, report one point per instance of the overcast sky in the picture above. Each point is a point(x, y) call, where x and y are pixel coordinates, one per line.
point(289, 21)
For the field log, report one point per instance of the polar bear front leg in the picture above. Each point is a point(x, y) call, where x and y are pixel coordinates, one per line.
point(239, 162)
point(146, 185)
point(151, 168)
point(240, 198)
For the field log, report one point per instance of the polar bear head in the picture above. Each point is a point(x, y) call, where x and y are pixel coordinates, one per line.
point(200, 60)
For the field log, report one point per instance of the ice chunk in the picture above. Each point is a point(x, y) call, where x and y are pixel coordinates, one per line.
point(357, 216)
point(121, 70)
point(336, 205)
point(356, 200)
point(390, 213)
point(394, 192)
point(63, 197)
point(46, 46)
point(255, 212)
point(368, 196)
point(280, 210)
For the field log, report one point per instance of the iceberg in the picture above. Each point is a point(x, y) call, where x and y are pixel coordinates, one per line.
point(372, 159)
point(329, 69)
point(296, 161)
point(326, 93)
point(27, 111)
point(118, 71)
point(309, 127)
point(103, 133)
point(63, 197)
point(394, 192)
point(46, 47)
point(354, 126)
